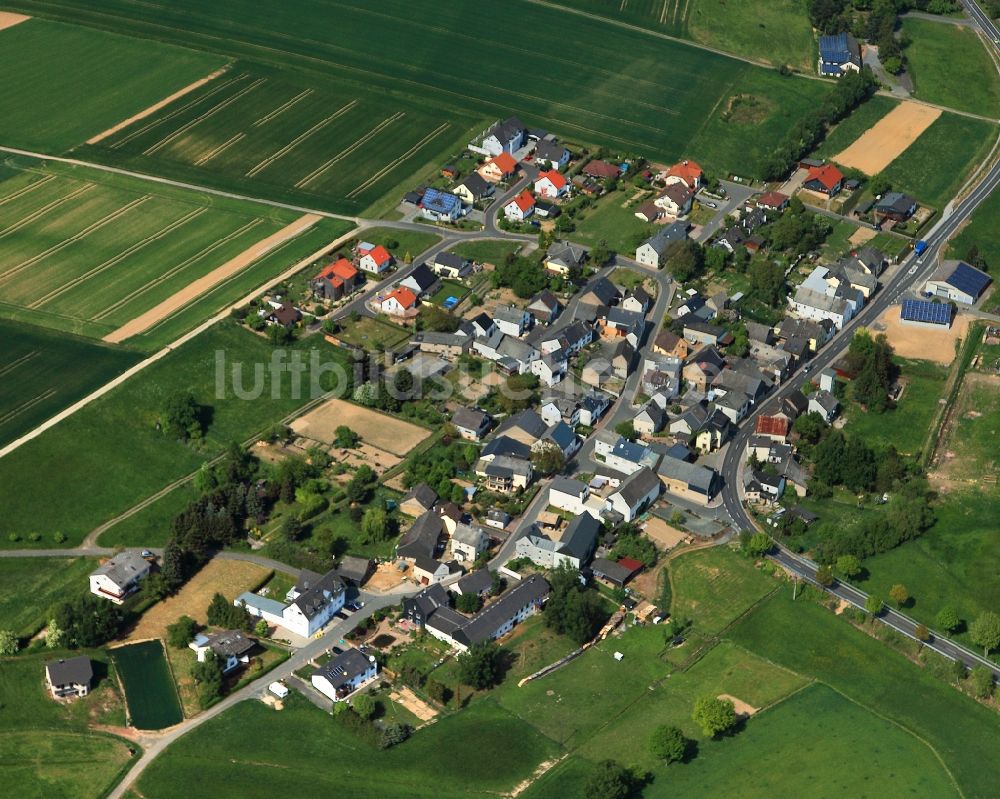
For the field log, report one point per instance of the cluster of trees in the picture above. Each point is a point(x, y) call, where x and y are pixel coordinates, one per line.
point(437, 319)
point(437, 465)
point(524, 276)
point(685, 260)
point(181, 632)
point(631, 543)
point(870, 358)
point(360, 717)
point(378, 525)
point(225, 614)
point(850, 91)
point(548, 460)
point(207, 676)
point(571, 609)
point(517, 393)
point(611, 780)
point(182, 417)
point(87, 621)
point(481, 666)
point(797, 230)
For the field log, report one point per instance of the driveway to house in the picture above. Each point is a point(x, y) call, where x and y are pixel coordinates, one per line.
point(738, 193)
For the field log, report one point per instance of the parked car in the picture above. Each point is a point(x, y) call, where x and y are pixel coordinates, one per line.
point(356, 605)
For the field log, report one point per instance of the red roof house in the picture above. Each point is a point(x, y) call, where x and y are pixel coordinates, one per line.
point(374, 259)
point(774, 200)
point(550, 184)
point(825, 179)
point(335, 279)
point(775, 427)
point(399, 301)
point(521, 207)
point(602, 170)
point(686, 172)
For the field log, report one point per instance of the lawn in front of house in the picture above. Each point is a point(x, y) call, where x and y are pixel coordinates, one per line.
point(616, 226)
point(487, 251)
point(373, 334)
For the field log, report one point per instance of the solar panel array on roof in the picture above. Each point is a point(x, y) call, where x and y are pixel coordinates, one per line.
point(968, 280)
point(922, 311)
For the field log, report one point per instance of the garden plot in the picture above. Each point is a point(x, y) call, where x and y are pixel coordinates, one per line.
point(880, 145)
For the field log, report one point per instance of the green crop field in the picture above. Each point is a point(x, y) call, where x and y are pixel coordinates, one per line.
point(772, 31)
point(810, 640)
point(29, 587)
point(775, 31)
point(908, 425)
point(97, 448)
point(42, 372)
point(423, 66)
point(64, 84)
point(149, 689)
point(287, 135)
point(950, 66)
point(47, 750)
point(445, 760)
point(941, 159)
point(860, 120)
point(87, 251)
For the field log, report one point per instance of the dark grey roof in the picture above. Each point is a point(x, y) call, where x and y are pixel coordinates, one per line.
point(580, 537)
point(484, 624)
point(229, 643)
point(505, 445)
point(475, 184)
point(475, 582)
point(638, 486)
point(550, 150)
point(422, 538)
point(562, 435)
point(569, 254)
point(354, 568)
point(604, 290)
point(615, 572)
point(484, 320)
point(450, 259)
point(427, 601)
point(72, 671)
point(507, 129)
point(666, 235)
point(313, 592)
point(527, 420)
point(895, 201)
point(423, 494)
point(546, 298)
point(470, 418)
point(123, 568)
point(697, 477)
point(567, 485)
point(423, 277)
point(426, 564)
point(446, 620)
point(343, 668)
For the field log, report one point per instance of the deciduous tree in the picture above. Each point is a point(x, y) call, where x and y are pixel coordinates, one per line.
point(714, 716)
point(985, 631)
point(668, 743)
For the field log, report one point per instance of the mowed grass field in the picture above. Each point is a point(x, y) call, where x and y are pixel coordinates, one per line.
point(42, 372)
point(47, 749)
point(439, 63)
point(29, 587)
point(950, 66)
point(981, 231)
point(87, 251)
point(84, 470)
point(282, 133)
point(64, 84)
point(150, 692)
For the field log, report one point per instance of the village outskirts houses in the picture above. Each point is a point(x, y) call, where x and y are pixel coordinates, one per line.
point(373, 258)
point(344, 674)
point(119, 576)
point(499, 168)
point(520, 208)
point(551, 185)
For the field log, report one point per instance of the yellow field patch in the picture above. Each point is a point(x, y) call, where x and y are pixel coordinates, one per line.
point(8, 19)
point(879, 146)
point(227, 577)
point(922, 343)
point(379, 429)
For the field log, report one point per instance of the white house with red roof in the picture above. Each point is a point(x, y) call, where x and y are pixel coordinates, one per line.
point(373, 258)
point(521, 207)
point(398, 302)
point(686, 172)
point(551, 184)
point(825, 179)
point(773, 201)
point(499, 168)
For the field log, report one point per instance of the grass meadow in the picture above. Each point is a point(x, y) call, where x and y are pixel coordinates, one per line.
point(808, 639)
point(445, 760)
point(42, 372)
point(950, 66)
point(982, 231)
point(46, 748)
point(87, 251)
point(941, 159)
point(150, 692)
point(64, 84)
point(672, 89)
point(29, 587)
point(908, 425)
point(97, 448)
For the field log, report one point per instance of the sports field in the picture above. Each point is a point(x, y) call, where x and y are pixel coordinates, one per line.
point(86, 251)
point(950, 66)
point(63, 84)
point(42, 372)
point(149, 690)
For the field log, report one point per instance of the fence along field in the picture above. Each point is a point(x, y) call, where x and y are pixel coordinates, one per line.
point(320, 142)
point(83, 251)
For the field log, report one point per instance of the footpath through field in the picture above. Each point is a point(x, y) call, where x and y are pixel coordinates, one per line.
point(195, 289)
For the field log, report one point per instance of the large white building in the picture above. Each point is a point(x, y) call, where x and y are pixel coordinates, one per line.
point(119, 576)
point(309, 604)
